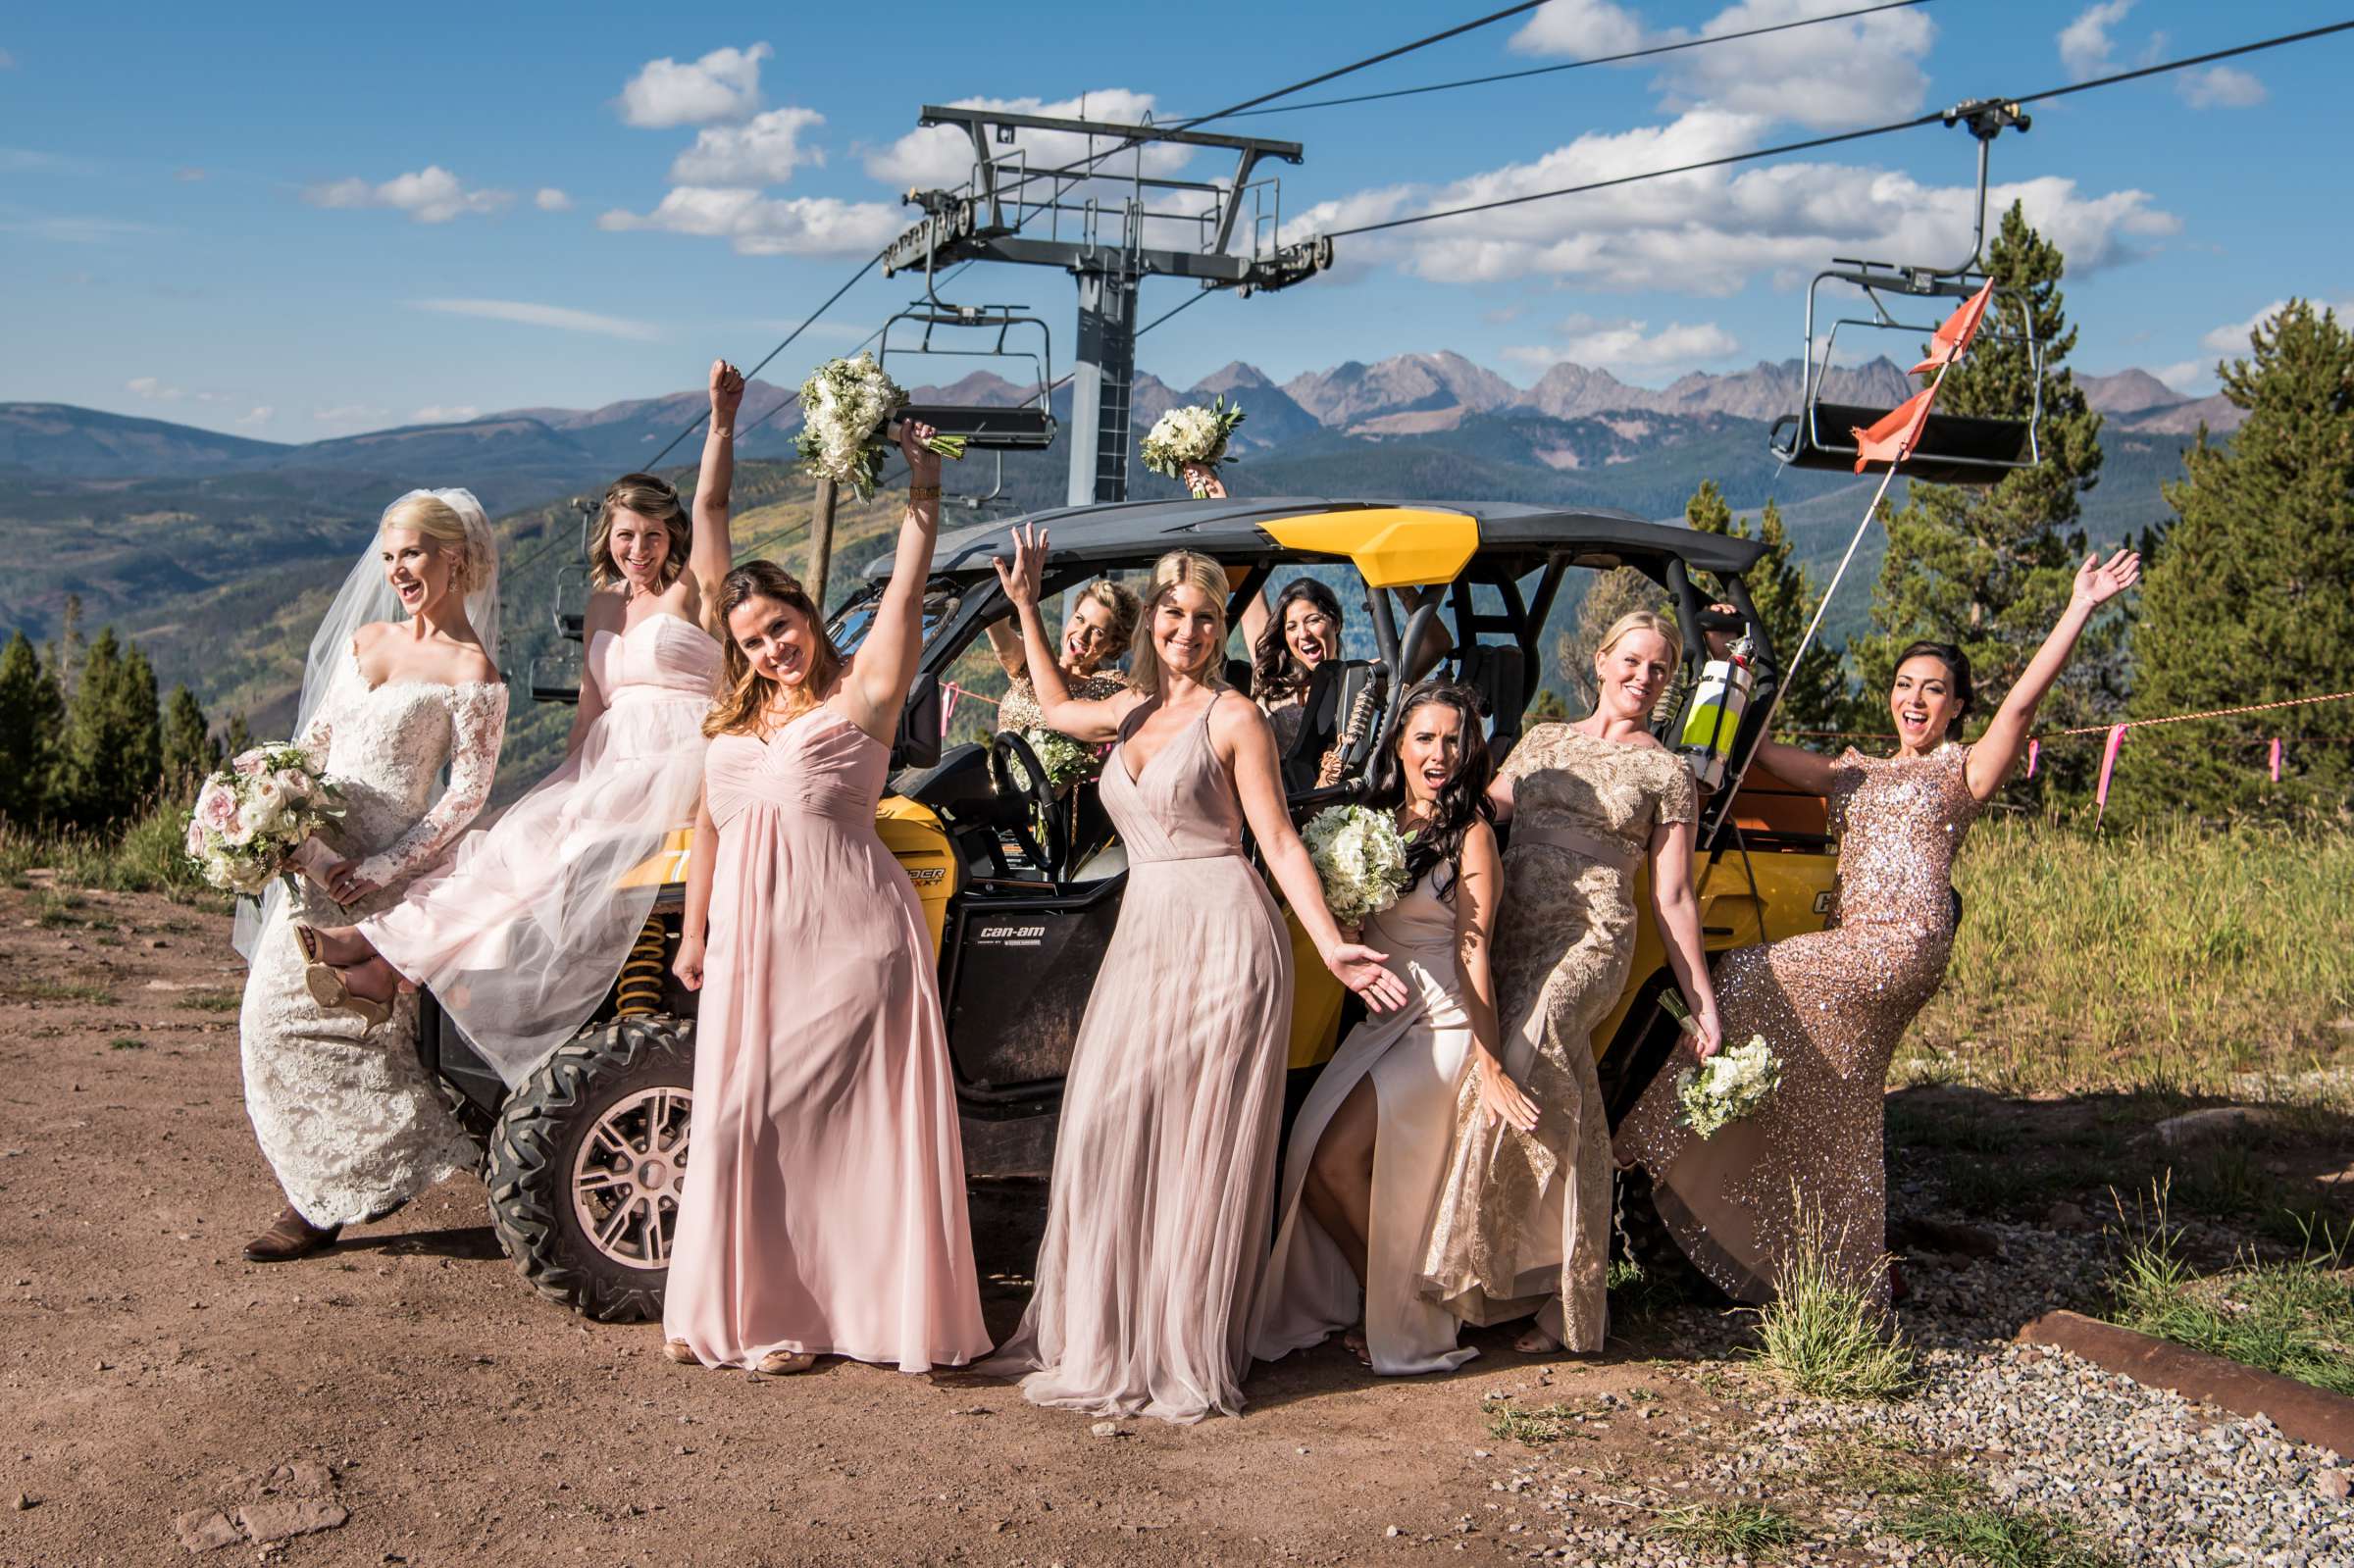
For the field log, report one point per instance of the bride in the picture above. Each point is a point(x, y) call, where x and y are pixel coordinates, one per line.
point(402, 682)
point(522, 932)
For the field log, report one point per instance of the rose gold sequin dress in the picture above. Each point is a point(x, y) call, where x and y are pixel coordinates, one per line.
point(1832, 1004)
point(1019, 709)
point(1522, 1223)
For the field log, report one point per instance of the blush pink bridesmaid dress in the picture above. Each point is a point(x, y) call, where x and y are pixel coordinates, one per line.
point(1164, 1163)
point(824, 1209)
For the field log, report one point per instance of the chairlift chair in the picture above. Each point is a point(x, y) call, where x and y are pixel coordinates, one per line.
point(1954, 448)
point(1025, 427)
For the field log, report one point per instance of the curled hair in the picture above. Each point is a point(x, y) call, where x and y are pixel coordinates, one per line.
point(1644, 620)
point(650, 496)
point(1177, 570)
point(438, 521)
point(1956, 667)
point(1277, 673)
point(745, 693)
point(1460, 803)
point(1121, 603)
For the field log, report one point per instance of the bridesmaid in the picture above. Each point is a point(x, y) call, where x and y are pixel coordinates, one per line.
point(824, 1208)
point(1095, 637)
point(1832, 1004)
point(1523, 1221)
point(1164, 1164)
point(1369, 1146)
point(1302, 631)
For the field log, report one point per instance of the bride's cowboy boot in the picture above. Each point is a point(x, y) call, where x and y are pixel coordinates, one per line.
point(289, 1237)
point(326, 987)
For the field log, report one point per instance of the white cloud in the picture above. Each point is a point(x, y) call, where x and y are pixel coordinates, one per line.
point(152, 389)
point(1830, 75)
point(551, 200)
point(2232, 336)
point(259, 414)
point(763, 151)
point(2220, 87)
point(562, 318)
point(431, 195)
point(2084, 44)
point(2192, 377)
point(1582, 29)
point(438, 414)
point(724, 85)
point(762, 226)
point(1629, 345)
point(1711, 231)
point(347, 414)
point(940, 156)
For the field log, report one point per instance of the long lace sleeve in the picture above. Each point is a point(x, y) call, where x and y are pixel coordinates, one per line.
point(478, 720)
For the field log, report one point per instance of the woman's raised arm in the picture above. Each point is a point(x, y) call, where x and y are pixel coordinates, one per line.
point(1083, 721)
point(877, 679)
point(1996, 751)
point(712, 552)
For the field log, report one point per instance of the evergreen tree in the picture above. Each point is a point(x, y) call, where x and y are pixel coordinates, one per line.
point(237, 737)
point(1608, 596)
point(111, 754)
point(1990, 568)
point(30, 718)
point(2251, 600)
point(1784, 596)
point(190, 749)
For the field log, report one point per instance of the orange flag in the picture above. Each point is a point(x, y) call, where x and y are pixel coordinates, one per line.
point(1892, 438)
point(1952, 338)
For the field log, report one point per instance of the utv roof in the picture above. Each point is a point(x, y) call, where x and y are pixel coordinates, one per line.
point(1236, 530)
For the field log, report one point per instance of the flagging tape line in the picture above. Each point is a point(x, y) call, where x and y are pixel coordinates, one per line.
point(2049, 735)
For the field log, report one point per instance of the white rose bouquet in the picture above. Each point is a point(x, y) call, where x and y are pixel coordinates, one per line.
point(1065, 760)
point(251, 816)
point(846, 410)
point(1359, 856)
point(1190, 434)
point(1728, 1086)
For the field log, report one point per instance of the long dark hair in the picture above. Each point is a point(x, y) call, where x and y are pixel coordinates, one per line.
point(745, 694)
point(1956, 666)
point(1464, 799)
point(1277, 673)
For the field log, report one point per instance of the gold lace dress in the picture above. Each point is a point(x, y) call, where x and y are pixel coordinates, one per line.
point(1831, 1005)
point(1522, 1224)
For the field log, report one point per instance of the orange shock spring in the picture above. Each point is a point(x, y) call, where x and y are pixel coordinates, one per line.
point(640, 990)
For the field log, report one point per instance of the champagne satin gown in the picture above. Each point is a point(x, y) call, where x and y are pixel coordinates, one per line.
point(1832, 1005)
point(1415, 1060)
point(1164, 1164)
point(824, 1208)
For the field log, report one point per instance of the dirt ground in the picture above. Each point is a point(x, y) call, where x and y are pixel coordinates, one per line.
point(410, 1385)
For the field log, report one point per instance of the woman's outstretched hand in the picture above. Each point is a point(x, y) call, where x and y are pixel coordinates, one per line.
point(1503, 1099)
point(923, 463)
point(727, 395)
point(1360, 969)
point(1203, 480)
point(1021, 577)
point(2098, 580)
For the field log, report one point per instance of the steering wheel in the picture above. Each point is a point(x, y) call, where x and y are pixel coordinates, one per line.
point(1044, 813)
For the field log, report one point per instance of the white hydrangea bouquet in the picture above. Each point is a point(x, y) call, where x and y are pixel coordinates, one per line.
point(1065, 760)
point(1190, 434)
point(251, 816)
point(846, 411)
point(1727, 1087)
point(1359, 855)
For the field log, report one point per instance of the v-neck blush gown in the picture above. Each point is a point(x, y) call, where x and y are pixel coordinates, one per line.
point(1164, 1164)
point(824, 1208)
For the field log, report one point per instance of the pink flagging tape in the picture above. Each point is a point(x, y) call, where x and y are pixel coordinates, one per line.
point(2034, 750)
point(2100, 791)
point(2275, 758)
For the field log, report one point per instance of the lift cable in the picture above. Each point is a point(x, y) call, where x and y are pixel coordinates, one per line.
point(1786, 148)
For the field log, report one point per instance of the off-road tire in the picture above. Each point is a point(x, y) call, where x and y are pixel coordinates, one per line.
point(536, 1151)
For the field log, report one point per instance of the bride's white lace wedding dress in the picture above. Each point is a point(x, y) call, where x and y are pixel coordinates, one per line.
point(344, 1113)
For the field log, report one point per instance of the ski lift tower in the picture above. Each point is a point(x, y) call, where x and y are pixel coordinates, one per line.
point(1096, 225)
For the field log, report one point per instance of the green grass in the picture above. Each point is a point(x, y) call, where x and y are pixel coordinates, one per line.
point(1987, 1532)
point(1730, 1529)
point(213, 1002)
point(144, 857)
point(1536, 1424)
point(2167, 959)
point(126, 1042)
point(1823, 1333)
point(43, 991)
point(2290, 1317)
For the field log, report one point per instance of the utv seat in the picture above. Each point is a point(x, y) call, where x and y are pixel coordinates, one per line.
point(1498, 673)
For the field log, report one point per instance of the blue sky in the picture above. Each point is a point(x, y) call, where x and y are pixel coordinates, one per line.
point(271, 221)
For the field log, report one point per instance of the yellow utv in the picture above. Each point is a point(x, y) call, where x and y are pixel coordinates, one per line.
point(1021, 889)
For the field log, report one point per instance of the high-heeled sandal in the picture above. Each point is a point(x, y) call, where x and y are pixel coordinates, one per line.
point(326, 985)
point(679, 1351)
point(785, 1363)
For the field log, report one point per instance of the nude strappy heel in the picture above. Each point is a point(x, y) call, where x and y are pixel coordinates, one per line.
point(327, 986)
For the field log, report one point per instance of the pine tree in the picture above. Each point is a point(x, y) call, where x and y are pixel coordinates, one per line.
point(64, 651)
point(2251, 598)
point(190, 749)
point(30, 719)
point(1990, 568)
point(237, 737)
point(111, 754)
point(1608, 596)
point(1784, 596)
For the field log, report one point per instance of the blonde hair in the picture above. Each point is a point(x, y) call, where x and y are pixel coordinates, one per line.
point(745, 693)
point(438, 521)
point(1180, 569)
point(1644, 620)
point(650, 496)
point(1120, 602)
